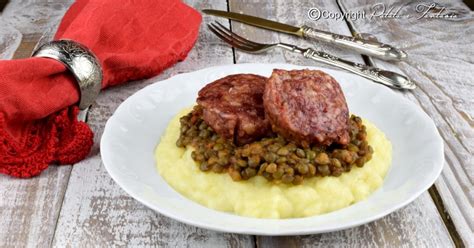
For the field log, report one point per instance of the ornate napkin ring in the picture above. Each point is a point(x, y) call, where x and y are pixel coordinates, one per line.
point(83, 64)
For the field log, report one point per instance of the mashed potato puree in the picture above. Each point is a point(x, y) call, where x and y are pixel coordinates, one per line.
point(259, 198)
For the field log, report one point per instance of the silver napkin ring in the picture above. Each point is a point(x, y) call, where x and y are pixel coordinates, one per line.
point(82, 63)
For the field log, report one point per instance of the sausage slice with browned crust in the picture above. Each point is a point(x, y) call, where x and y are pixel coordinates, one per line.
point(307, 106)
point(233, 107)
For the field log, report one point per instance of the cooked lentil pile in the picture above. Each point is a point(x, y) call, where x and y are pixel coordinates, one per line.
point(274, 158)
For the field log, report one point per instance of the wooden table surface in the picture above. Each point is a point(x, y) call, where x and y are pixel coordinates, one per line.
point(80, 205)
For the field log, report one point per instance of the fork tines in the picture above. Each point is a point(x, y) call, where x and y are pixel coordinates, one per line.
point(233, 39)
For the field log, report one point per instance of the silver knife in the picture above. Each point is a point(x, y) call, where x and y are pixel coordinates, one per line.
point(367, 47)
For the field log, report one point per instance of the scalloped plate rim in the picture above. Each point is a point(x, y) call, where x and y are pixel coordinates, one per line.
point(203, 224)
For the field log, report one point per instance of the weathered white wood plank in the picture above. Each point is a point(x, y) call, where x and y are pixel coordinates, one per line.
point(32, 17)
point(10, 39)
point(412, 226)
point(97, 212)
point(29, 208)
point(418, 224)
point(441, 62)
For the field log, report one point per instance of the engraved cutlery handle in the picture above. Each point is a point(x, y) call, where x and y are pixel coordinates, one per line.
point(389, 78)
point(367, 47)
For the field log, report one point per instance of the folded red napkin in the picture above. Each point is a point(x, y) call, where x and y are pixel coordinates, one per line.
point(132, 39)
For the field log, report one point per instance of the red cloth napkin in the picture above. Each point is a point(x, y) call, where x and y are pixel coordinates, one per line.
point(132, 39)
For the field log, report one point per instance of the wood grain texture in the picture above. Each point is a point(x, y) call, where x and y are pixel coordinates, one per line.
point(410, 225)
point(97, 212)
point(33, 18)
point(29, 208)
point(442, 67)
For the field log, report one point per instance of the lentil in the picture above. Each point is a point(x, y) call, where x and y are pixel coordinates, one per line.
point(274, 158)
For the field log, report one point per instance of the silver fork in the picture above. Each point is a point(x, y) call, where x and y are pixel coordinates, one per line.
point(388, 78)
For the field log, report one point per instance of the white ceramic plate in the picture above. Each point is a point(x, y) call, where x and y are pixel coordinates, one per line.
point(134, 130)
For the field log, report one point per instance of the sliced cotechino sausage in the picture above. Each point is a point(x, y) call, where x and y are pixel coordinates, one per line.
point(233, 107)
point(307, 106)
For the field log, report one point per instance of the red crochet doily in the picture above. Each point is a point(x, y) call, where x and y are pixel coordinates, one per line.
point(59, 138)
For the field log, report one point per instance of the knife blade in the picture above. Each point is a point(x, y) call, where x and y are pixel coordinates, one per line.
point(257, 21)
point(372, 48)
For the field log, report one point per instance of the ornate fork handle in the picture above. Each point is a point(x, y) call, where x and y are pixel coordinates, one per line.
point(372, 48)
point(388, 78)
